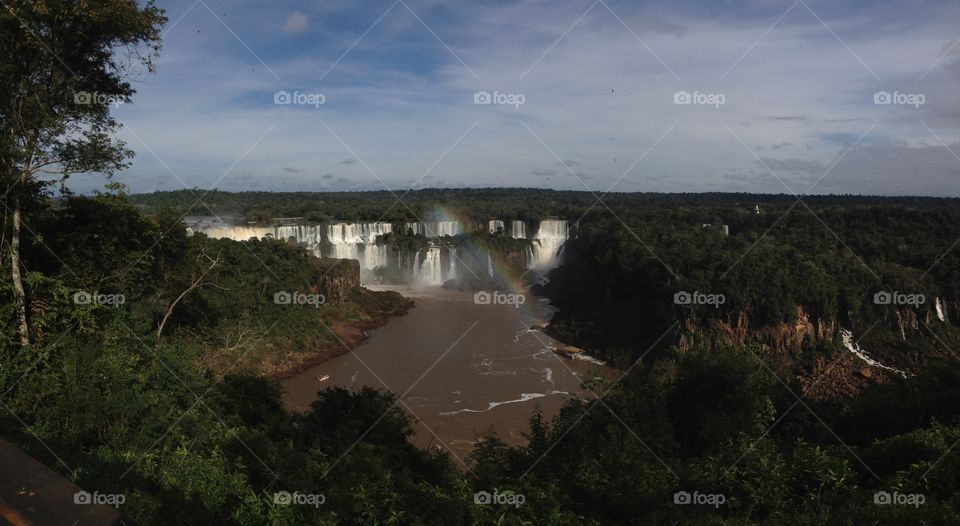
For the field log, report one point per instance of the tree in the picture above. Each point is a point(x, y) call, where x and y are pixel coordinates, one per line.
point(62, 65)
point(199, 275)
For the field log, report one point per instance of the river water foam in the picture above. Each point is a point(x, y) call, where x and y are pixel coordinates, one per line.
point(462, 369)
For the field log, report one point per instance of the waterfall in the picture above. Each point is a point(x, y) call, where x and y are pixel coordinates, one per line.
point(452, 272)
point(417, 228)
point(854, 348)
point(940, 309)
point(374, 256)
point(427, 268)
point(435, 228)
point(518, 229)
point(237, 233)
point(359, 241)
point(445, 228)
point(549, 240)
point(308, 236)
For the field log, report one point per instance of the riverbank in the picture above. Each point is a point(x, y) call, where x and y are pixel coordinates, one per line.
point(289, 339)
point(348, 331)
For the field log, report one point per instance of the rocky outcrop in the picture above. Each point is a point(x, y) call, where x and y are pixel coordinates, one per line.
point(826, 360)
point(784, 339)
point(838, 377)
point(336, 278)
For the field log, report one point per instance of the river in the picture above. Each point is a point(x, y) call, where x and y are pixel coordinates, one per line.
point(461, 368)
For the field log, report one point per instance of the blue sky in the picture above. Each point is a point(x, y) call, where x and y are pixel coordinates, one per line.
point(785, 97)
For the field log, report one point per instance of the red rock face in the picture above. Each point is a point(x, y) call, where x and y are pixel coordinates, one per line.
point(790, 349)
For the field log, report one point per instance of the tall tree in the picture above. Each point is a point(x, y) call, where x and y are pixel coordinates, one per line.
point(63, 65)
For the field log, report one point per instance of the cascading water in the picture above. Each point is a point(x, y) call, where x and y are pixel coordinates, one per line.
point(444, 228)
point(435, 229)
point(452, 272)
point(359, 241)
point(427, 269)
point(417, 229)
point(305, 235)
point(550, 238)
point(237, 233)
point(516, 230)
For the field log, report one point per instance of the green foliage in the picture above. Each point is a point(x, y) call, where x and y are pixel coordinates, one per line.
point(192, 431)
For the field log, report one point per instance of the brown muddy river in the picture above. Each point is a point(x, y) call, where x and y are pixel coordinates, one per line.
point(459, 368)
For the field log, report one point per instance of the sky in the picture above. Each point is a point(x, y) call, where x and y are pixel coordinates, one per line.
point(797, 97)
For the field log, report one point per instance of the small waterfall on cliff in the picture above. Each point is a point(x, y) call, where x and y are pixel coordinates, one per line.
point(549, 240)
point(427, 268)
point(495, 225)
point(854, 347)
point(489, 265)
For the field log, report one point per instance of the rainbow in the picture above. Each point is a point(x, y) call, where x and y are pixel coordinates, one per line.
point(498, 268)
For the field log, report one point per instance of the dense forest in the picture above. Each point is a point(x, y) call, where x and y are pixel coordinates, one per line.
point(527, 204)
point(172, 424)
point(138, 360)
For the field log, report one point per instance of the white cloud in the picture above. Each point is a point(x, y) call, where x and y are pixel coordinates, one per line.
point(598, 100)
point(296, 23)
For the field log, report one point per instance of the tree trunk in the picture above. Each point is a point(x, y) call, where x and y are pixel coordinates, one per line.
point(15, 271)
point(166, 316)
point(198, 282)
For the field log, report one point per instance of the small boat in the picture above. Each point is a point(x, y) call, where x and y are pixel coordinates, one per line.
point(568, 351)
point(323, 378)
